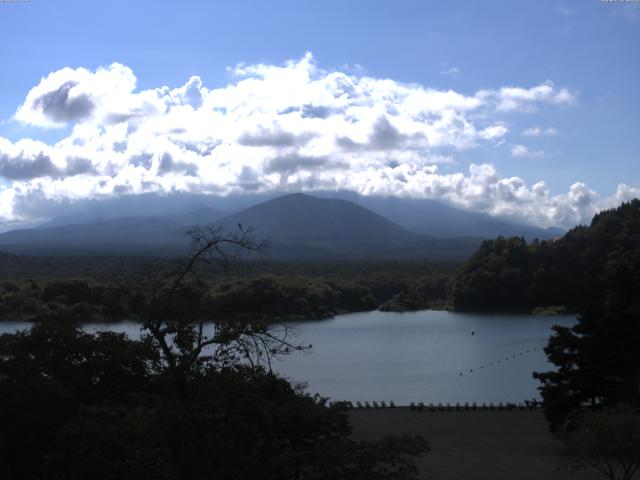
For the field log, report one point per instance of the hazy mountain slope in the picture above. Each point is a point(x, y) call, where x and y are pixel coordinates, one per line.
point(429, 217)
point(299, 227)
point(424, 216)
point(128, 235)
point(83, 234)
point(138, 205)
point(302, 226)
point(303, 216)
point(189, 217)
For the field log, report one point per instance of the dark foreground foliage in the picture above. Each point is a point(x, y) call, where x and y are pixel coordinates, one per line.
point(607, 440)
point(596, 384)
point(181, 403)
point(80, 406)
point(508, 273)
point(598, 360)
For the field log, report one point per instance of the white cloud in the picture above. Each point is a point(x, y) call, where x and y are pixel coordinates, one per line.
point(284, 127)
point(624, 193)
point(521, 151)
point(509, 99)
point(540, 132)
point(103, 97)
point(494, 132)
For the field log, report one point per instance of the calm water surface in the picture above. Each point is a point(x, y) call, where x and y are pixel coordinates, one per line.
point(414, 356)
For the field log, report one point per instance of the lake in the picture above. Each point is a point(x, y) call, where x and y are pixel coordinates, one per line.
point(413, 356)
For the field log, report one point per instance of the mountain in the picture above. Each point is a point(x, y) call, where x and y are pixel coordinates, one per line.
point(303, 217)
point(302, 226)
point(423, 216)
point(123, 235)
point(200, 215)
point(139, 205)
point(430, 217)
point(299, 227)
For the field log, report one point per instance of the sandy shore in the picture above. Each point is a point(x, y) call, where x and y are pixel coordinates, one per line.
point(474, 445)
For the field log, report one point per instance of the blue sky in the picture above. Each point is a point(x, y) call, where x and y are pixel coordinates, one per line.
point(584, 130)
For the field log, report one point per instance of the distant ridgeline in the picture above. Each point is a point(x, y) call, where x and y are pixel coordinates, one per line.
point(572, 271)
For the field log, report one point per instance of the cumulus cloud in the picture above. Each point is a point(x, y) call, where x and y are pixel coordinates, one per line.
point(540, 132)
point(292, 163)
point(104, 96)
point(28, 159)
point(509, 99)
point(286, 127)
point(624, 193)
point(521, 151)
point(277, 137)
point(169, 165)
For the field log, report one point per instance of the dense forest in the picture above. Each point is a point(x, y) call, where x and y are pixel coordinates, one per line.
point(598, 359)
point(591, 398)
point(95, 288)
point(572, 271)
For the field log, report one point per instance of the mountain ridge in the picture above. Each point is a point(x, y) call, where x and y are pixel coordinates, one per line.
point(300, 226)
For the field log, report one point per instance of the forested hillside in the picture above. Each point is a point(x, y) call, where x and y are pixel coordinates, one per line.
point(572, 271)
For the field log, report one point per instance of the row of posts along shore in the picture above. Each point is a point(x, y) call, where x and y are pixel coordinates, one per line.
point(445, 407)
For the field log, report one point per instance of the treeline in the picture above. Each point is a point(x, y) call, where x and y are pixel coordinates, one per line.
point(597, 360)
point(106, 267)
point(267, 297)
point(592, 396)
point(509, 274)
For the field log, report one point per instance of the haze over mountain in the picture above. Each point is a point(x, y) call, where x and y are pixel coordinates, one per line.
point(433, 218)
point(424, 216)
point(124, 235)
point(143, 205)
point(298, 225)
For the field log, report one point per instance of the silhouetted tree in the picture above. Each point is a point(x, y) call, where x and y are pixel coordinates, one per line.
point(608, 441)
point(598, 359)
point(184, 402)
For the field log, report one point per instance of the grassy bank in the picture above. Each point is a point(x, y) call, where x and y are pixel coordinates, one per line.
point(473, 445)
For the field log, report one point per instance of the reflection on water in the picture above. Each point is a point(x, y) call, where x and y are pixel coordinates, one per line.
point(412, 357)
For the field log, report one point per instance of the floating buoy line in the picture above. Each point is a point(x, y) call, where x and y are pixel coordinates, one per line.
point(500, 360)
